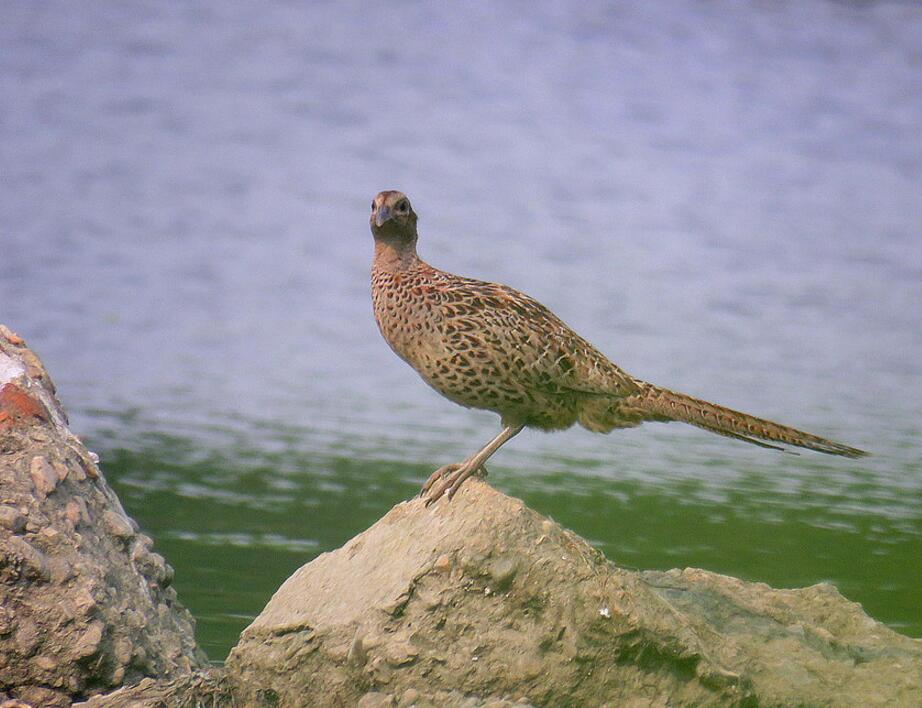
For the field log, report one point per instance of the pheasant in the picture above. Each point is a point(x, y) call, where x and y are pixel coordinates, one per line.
point(486, 345)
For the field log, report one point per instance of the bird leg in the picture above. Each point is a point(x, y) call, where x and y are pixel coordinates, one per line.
point(449, 478)
point(444, 471)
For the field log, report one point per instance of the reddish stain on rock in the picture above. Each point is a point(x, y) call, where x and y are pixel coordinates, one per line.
point(17, 405)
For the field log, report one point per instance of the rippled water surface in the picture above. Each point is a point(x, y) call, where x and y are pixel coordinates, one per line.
point(724, 197)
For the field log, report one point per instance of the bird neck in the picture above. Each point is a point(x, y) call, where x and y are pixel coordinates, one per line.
point(392, 255)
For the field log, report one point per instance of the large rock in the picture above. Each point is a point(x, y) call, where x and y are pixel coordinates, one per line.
point(483, 599)
point(85, 604)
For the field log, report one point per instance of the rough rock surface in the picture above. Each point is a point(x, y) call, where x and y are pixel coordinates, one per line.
point(482, 599)
point(85, 604)
point(207, 687)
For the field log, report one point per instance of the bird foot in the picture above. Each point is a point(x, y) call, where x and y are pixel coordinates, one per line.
point(447, 479)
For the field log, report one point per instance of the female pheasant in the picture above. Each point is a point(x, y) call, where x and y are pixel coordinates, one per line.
point(486, 345)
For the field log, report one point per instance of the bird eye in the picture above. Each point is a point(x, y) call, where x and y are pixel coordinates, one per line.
point(403, 206)
point(372, 206)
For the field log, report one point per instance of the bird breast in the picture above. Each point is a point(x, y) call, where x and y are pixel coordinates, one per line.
point(408, 314)
point(455, 334)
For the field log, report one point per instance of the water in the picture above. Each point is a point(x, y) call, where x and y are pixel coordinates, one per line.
point(724, 197)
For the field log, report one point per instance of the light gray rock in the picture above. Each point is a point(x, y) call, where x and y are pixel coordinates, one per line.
point(69, 572)
point(481, 601)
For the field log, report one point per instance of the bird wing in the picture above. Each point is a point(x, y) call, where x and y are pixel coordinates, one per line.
point(525, 340)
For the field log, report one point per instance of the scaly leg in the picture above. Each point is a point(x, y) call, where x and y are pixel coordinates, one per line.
point(449, 478)
point(444, 471)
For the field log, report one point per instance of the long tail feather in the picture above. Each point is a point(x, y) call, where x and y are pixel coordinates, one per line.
point(663, 404)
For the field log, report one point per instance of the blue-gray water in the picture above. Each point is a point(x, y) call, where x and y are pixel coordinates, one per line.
point(724, 197)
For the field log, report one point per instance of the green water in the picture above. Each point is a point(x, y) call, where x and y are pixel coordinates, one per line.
point(235, 524)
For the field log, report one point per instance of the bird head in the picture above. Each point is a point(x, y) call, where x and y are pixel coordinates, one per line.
point(392, 217)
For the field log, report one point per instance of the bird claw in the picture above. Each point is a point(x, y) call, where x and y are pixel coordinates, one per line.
point(441, 472)
point(448, 479)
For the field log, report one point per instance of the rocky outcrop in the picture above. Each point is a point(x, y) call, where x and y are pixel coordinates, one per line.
point(474, 602)
point(85, 603)
point(482, 599)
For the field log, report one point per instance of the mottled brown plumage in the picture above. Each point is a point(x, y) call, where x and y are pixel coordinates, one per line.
point(485, 345)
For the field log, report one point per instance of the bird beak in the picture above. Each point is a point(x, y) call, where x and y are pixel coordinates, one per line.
point(384, 214)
